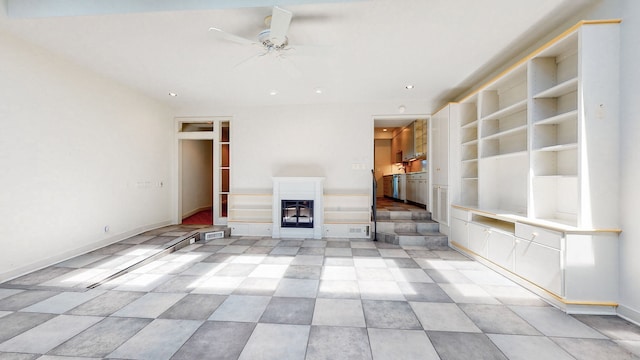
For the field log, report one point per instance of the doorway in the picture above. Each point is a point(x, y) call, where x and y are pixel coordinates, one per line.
point(197, 182)
point(399, 148)
point(202, 179)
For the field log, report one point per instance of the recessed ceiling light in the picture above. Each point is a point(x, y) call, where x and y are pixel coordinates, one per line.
point(273, 92)
point(318, 91)
point(173, 94)
point(384, 129)
point(409, 87)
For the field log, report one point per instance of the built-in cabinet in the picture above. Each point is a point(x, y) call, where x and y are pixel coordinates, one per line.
point(344, 215)
point(439, 163)
point(532, 180)
point(440, 204)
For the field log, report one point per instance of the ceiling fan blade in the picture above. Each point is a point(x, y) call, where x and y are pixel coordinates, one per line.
point(231, 37)
point(280, 20)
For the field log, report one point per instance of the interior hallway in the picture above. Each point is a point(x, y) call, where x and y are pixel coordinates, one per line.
point(252, 298)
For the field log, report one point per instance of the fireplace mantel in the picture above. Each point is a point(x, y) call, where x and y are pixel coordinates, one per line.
point(298, 188)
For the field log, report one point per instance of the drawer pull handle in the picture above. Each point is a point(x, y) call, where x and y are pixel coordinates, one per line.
point(534, 235)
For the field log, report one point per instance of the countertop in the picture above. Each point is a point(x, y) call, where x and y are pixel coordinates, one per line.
point(410, 173)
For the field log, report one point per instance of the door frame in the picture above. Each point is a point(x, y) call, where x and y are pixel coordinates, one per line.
point(214, 136)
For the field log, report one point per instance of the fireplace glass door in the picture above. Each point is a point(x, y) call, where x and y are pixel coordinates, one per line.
point(297, 213)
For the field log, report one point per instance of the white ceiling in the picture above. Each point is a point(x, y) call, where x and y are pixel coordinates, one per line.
point(363, 51)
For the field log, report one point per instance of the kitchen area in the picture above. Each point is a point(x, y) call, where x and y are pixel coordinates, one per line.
point(401, 161)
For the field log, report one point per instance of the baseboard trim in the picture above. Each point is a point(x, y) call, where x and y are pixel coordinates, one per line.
point(629, 314)
point(195, 211)
point(41, 264)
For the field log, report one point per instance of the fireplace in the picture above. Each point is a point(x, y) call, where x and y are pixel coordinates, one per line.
point(297, 213)
point(297, 207)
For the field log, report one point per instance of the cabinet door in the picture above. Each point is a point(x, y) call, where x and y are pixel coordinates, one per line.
point(443, 204)
point(459, 232)
point(539, 264)
point(423, 190)
point(440, 146)
point(478, 239)
point(501, 249)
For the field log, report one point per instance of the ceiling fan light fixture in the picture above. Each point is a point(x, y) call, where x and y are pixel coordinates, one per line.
point(172, 94)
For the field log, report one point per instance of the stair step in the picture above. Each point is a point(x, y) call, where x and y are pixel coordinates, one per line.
point(431, 240)
point(403, 215)
point(407, 226)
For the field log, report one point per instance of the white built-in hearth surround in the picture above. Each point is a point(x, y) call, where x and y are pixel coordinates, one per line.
point(298, 188)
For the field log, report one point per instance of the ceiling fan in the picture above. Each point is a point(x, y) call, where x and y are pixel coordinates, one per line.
point(272, 41)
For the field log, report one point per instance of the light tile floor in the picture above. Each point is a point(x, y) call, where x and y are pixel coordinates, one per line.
point(263, 298)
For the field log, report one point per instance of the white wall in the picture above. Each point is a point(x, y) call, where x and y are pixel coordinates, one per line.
point(78, 153)
point(630, 162)
point(197, 176)
point(302, 140)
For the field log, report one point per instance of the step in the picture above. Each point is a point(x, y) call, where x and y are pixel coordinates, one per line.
point(403, 215)
point(390, 226)
point(430, 240)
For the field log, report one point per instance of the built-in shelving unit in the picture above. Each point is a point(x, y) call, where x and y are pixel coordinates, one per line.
point(345, 215)
point(250, 214)
point(347, 209)
point(535, 176)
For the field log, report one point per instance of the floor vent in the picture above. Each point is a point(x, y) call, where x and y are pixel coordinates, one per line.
point(212, 235)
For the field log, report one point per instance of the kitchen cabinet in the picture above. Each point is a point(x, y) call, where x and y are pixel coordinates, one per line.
point(417, 188)
point(411, 140)
point(387, 183)
point(420, 139)
point(406, 139)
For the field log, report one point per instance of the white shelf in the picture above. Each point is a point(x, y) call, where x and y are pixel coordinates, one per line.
point(470, 125)
point(468, 161)
point(509, 110)
point(512, 131)
point(506, 155)
point(555, 177)
point(347, 209)
point(559, 119)
point(559, 147)
point(563, 88)
point(470, 142)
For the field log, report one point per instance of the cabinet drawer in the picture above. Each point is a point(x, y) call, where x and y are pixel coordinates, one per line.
point(478, 239)
point(501, 249)
point(460, 232)
point(460, 214)
point(539, 235)
point(539, 264)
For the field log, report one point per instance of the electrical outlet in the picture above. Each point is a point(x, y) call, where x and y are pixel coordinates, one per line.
point(106, 228)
